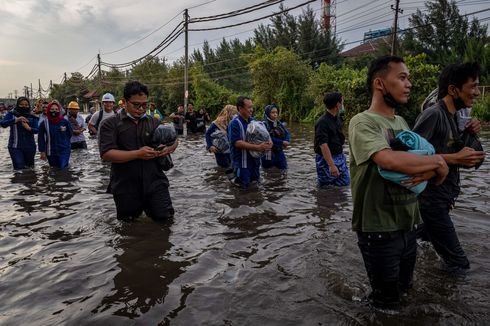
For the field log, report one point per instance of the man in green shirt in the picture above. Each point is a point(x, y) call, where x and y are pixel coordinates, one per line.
point(385, 213)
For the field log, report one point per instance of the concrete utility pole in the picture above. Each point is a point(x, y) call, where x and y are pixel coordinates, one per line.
point(15, 93)
point(39, 90)
point(32, 94)
point(186, 67)
point(395, 26)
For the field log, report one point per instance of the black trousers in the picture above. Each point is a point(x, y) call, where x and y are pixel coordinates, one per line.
point(157, 204)
point(439, 229)
point(389, 258)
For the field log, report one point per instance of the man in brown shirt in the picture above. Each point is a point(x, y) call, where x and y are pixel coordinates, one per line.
point(137, 181)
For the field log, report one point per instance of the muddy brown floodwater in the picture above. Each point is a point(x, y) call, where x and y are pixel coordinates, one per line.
point(283, 254)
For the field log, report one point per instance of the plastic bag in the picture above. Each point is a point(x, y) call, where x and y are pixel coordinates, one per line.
point(220, 141)
point(164, 135)
point(257, 134)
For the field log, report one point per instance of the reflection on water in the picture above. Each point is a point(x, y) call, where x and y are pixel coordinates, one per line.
point(281, 254)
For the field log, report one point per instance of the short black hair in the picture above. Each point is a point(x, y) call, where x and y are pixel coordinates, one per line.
point(331, 99)
point(380, 67)
point(240, 101)
point(134, 87)
point(457, 75)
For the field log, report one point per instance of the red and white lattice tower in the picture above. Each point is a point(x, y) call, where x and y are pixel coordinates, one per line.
point(329, 15)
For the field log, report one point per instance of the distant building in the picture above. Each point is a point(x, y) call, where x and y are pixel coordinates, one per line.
point(376, 34)
point(370, 46)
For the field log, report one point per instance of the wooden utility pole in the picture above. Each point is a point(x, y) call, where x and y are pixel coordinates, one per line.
point(186, 67)
point(395, 26)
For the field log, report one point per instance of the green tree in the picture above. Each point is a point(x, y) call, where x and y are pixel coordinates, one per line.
point(441, 32)
point(71, 89)
point(208, 93)
point(424, 77)
point(349, 81)
point(302, 34)
point(280, 77)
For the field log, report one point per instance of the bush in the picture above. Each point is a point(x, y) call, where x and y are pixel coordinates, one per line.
point(481, 109)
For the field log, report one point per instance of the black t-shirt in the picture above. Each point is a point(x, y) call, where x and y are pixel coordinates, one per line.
point(136, 176)
point(192, 124)
point(439, 127)
point(328, 130)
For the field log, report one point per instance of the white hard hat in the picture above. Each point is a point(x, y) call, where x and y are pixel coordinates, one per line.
point(108, 97)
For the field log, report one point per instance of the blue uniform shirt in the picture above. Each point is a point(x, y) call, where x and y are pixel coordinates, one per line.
point(54, 139)
point(19, 136)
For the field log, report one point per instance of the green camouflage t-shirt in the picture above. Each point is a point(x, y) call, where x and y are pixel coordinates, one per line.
point(380, 205)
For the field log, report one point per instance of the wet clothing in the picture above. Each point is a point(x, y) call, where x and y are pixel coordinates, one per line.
point(139, 184)
point(54, 140)
point(389, 259)
point(201, 119)
point(439, 127)
point(192, 124)
point(325, 179)
point(383, 209)
point(328, 130)
point(246, 167)
point(279, 133)
point(179, 123)
point(21, 145)
point(222, 159)
point(77, 141)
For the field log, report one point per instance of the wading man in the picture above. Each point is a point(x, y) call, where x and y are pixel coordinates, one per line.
point(137, 181)
point(458, 88)
point(331, 163)
point(385, 213)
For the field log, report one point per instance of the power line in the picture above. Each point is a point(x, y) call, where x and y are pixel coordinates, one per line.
point(235, 13)
point(143, 38)
point(250, 21)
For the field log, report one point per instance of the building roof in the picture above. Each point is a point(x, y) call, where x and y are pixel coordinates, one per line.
point(367, 47)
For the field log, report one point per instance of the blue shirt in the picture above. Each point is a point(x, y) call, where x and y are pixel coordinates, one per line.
point(212, 128)
point(19, 136)
point(237, 130)
point(54, 139)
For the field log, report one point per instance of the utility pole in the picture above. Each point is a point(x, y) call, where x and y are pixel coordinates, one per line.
point(186, 67)
point(395, 26)
point(50, 86)
point(32, 94)
point(100, 71)
point(65, 79)
point(26, 91)
point(15, 93)
point(39, 84)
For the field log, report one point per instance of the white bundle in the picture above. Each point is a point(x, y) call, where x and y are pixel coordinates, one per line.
point(257, 134)
point(220, 141)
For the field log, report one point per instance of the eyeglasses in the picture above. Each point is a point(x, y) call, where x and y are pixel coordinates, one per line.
point(138, 105)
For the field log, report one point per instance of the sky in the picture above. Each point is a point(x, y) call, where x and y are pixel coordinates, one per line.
point(43, 39)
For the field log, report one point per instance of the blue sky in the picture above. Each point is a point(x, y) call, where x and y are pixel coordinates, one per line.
point(42, 39)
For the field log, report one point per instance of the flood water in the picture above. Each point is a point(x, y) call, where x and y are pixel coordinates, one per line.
point(283, 254)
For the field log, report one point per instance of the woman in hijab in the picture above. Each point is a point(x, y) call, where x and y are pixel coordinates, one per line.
point(54, 137)
point(216, 136)
point(280, 139)
point(23, 125)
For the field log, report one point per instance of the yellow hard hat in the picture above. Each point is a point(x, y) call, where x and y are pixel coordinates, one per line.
point(73, 105)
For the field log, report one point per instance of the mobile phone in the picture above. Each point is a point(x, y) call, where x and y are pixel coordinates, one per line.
point(160, 147)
